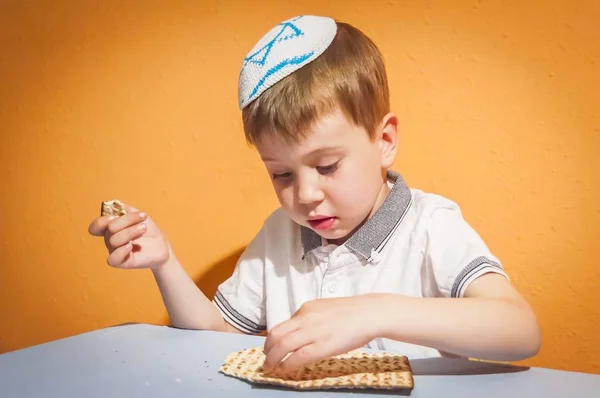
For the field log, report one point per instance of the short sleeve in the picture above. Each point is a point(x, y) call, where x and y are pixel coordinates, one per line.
point(241, 298)
point(455, 254)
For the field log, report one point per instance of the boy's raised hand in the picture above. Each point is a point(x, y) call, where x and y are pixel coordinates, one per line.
point(132, 240)
point(318, 330)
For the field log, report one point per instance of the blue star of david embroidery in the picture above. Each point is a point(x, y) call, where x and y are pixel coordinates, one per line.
point(287, 31)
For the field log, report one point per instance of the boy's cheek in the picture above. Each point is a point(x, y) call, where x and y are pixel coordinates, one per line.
point(284, 198)
point(286, 203)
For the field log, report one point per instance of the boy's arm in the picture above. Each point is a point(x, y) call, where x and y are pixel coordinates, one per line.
point(492, 321)
point(187, 306)
point(479, 313)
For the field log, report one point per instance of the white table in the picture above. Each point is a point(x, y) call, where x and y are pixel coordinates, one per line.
point(148, 361)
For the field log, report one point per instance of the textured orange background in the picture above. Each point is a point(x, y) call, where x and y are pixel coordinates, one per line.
point(498, 103)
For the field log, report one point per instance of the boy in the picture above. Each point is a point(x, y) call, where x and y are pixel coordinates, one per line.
point(353, 257)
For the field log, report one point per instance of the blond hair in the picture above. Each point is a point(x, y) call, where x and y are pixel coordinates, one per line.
point(349, 76)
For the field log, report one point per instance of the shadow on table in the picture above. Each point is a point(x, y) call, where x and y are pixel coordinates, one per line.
point(429, 367)
point(460, 366)
point(371, 391)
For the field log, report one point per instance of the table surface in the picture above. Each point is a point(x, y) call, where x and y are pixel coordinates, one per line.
point(142, 360)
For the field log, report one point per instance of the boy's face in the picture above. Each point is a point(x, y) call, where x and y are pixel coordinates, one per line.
point(334, 179)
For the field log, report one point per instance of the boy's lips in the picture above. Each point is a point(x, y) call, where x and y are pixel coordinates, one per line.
point(321, 222)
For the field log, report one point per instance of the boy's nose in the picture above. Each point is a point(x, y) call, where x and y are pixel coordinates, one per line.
point(309, 191)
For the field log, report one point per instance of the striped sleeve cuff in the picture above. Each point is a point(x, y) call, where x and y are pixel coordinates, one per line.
point(472, 271)
point(235, 318)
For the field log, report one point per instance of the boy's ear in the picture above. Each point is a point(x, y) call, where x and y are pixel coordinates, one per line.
point(388, 140)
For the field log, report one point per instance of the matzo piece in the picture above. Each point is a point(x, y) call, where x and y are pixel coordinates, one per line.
point(113, 208)
point(348, 371)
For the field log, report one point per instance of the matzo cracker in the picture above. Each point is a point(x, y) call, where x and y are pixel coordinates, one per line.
point(113, 208)
point(352, 370)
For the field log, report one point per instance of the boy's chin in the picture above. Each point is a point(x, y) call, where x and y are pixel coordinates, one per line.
point(336, 235)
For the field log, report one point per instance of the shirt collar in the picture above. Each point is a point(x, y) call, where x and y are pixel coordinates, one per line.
point(371, 237)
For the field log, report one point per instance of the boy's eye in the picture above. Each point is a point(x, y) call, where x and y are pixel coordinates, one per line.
point(328, 169)
point(282, 175)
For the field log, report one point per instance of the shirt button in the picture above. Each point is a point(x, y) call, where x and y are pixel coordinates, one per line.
point(326, 259)
point(332, 288)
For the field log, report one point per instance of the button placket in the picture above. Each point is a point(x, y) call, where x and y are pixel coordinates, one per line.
point(332, 263)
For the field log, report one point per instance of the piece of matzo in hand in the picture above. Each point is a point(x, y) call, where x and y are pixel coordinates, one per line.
point(347, 371)
point(113, 208)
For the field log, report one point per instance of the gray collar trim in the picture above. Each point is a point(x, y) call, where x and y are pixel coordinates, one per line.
point(371, 237)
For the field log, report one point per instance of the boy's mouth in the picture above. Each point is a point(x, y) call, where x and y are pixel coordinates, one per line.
point(322, 223)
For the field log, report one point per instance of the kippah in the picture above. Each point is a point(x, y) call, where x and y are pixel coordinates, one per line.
point(284, 49)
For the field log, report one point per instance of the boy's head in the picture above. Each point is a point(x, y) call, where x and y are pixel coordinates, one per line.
point(315, 104)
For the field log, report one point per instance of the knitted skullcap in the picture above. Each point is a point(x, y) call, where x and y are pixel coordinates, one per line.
point(284, 49)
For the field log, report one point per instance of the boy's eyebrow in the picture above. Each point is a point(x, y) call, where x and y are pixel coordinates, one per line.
point(311, 154)
point(319, 151)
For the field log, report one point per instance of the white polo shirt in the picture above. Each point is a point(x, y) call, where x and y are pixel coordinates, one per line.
point(416, 244)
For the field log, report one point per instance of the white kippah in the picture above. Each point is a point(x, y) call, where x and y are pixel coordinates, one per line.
point(284, 49)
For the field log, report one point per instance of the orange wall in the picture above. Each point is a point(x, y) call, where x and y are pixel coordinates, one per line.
point(498, 103)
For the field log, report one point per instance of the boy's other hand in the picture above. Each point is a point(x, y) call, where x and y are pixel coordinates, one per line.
point(318, 330)
point(132, 240)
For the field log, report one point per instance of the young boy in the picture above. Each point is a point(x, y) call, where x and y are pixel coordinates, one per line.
point(353, 257)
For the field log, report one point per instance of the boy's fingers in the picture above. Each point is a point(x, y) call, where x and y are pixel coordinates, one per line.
point(99, 225)
point(125, 221)
point(279, 332)
point(307, 354)
point(127, 235)
point(289, 344)
point(130, 209)
point(119, 257)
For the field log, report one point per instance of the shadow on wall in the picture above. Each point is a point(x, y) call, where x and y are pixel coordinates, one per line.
point(215, 274)
point(218, 272)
